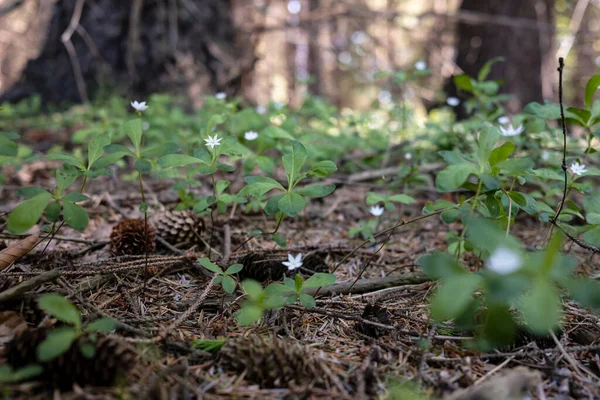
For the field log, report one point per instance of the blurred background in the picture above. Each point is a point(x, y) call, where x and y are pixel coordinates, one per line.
point(71, 51)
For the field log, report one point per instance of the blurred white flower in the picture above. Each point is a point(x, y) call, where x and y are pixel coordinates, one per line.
point(358, 37)
point(293, 262)
point(221, 96)
point(139, 106)
point(213, 141)
point(503, 120)
point(420, 65)
point(384, 97)
point(511, 130)
point(408, 156)
point(453, 101)
point(545, 156)
point(294, 6)
point(278, 105)
point(261, 109)
point(578, 169)
point(376, 210)
point(504, 261)
point(345, 57)
point(250, 135)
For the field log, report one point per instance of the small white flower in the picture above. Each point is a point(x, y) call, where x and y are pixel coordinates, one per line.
point(221, 96)
point(511, 130)
point(504, 261)
point(358, 37)
point(578, 169)
point(384, 97)
point(545, 156)
point(376, 210)
point(294, 6)
point(453, 101)
point(213, 141)
point(261, 109)
point(293, 262)
point(503, 120)
point(250, 135)
point(139, 106)
point(345, 57)
point(408, 156)
point(420, 65)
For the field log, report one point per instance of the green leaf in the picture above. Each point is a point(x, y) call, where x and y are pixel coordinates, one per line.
point(259, 185)
point(26, 373)
point(104, 325)
point(463, 82)
point(8, 148)
point(454, 176)
point(143, 166)
point(499, 326)
point(323, 168)
point(298, 283)
point(501, 153)
point(319, 279)
point(234, 269)
point(30, 191)
point(75, 197)
point(590, 89)
point(215, 119)
point(252, 288)
point(546, 111)
point(178, 160)
point(67, 159)
point(96, 148)
point(485, 70)
point(307, 300)
point(450, 216)
point(75, 216)
point(487, 139)
point(60, 308)
point(584, 291)
point(53, 211)
point(272, 206)
point(87, 350)
point(221, 186)
point(441, 265)
point(541, 307)
point(28, 213)
point(293, 161)
point(291, 204)
point(160, 149)
point(255, 232)
point(133, 129)
point(401, 198)
point(249, 314)
point(374, 198)
point(265, 164)
point(65, 176)
point(274, 132)
point(228, 284)
point(206, 263)
point(57, 342)
point(453, 296)
point(280, 240)
point(315, 191)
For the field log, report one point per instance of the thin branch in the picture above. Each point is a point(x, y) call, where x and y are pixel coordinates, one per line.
point(561, 65)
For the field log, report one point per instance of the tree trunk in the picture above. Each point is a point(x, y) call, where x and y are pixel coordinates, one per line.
point(522, 32)
point(139, 46)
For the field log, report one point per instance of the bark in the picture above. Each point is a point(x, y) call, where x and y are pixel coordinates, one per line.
point(527, 49)
point(139, 47)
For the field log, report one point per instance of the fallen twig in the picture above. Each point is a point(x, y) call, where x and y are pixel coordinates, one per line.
point(24, 287)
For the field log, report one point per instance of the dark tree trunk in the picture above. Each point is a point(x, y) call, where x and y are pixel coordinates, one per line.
point(522, 32)
point(140, 46)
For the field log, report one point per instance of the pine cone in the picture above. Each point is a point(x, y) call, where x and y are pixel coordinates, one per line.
point(111, 360)
point(261, 268)
point(127, 238)
point(178, 226)
point(270, 362)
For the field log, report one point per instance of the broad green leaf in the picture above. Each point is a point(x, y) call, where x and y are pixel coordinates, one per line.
point(590, 89)
point(255, 232)
point(8, 147)
point(221, 186)
point(274, 132)
point(67, 159)
point(115, 148)
point(133, 129)
point(26, 373)
point(546, 111)
point(485, 70)
point(249, 314)
point(518, 198)
point(272, 206)
point(487, 139)
point(160, 149)
point(109, 160)
point(280, 240)
point(441, 265)
point(291, 204)
point(104, 325)
point(584, 291)
point(577, 116)
point(438, 205)
point(499, 326)
point(58, 341)
point(307, 300)
point(293, 161)
point(323, 168)
point(265, 164)
point(374, 198)
point(75, 197)
point(454, 176)
point(592, 236)
point(449, 216)
point(541, 307)
point(215, 119)
point(252, 288)
point(178, 160)
point(319, 279)
point(59, 307)
point(65, 176)
point(53, 211)
point(87, 350)
point(228, 284)
point(501, 153)
point(96, 148)
point(315, 191)
point(30, 191)
point(453, 296)
point(28, 213)
point(234, 269)
point(516, 165)
point(401, 198)
point(75, 216)
point(259, 185)
point(143, 166)
point(206, 263)
point(463, 82)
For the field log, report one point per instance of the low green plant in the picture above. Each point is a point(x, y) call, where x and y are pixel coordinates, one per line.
point(225, 278)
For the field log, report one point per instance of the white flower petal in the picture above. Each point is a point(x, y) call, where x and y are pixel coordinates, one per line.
point(504, 261)
point(420, 65)
point(453, 101)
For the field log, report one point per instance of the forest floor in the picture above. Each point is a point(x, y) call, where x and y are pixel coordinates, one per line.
point(366, 337)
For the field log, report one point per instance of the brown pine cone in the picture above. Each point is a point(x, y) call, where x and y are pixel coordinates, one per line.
point(178, 226)
point(128, 238)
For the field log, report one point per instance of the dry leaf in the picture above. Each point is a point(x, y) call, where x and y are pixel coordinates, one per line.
point(17, 250)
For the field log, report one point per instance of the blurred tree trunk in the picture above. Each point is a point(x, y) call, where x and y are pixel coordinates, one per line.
point(522, 32)
point(189, 47)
